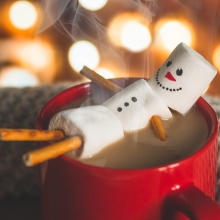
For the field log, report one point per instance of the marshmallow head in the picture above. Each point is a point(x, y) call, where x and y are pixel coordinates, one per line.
point(98, 126)
point(182, 78)
point(135, 105)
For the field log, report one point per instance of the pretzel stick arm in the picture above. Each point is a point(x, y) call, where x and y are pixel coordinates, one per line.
point(113, 88)
point(158, 127)
point(52, 151)
point(30, 135)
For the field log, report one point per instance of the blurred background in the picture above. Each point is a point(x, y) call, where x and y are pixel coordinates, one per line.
point(45, 43)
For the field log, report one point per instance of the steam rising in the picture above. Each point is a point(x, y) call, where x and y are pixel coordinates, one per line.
point(77, 23)
point(80, 24)
point(69, 15)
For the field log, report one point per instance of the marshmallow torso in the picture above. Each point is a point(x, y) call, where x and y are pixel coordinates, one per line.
point(182, 79)
point(98, 126)
point(135, 105)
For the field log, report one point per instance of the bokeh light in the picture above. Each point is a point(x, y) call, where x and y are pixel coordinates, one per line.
point(36, 55)
point(135, 37)
point(171, 33)
point(17, 77)
point(174, 32)
point(104, 72)
point(216, 57)
point(83, 53)
point(122, 34)
point(23, 14)
point(93, 5)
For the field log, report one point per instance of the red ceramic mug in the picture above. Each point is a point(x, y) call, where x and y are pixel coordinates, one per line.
point(180, 190)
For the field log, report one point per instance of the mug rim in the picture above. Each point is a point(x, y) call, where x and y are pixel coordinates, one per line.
point(203, 105)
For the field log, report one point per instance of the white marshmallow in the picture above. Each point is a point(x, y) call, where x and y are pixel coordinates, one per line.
point(182, 78)
point(135, 105)
point(98, 126)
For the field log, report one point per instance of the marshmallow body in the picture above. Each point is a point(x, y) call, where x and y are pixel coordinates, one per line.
point(98, 126)
point(135, 105)
point(182, 78)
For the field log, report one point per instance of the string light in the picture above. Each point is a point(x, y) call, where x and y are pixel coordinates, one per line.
point(17, 77)
point(135, 37)
point(36, 55)
point(171, 32)
point(116, 25)
point(23, 14)
point(104, 72)
point(129, 30)
point(216, 57)
point(174, 32)
point(93, 5)
point(83, 53)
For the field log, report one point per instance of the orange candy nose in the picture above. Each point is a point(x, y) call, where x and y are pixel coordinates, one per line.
point(170, 76)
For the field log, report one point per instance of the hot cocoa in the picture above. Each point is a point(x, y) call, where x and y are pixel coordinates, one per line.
point(142, 148)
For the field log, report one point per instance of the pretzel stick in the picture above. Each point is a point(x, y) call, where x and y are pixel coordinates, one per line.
point(30, 135)
point(158, 127)
point(52, 151)
point(101, 81)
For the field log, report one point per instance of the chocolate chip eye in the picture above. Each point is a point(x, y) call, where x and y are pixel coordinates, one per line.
point(169, 63)
point(179, 72)
point(134, 99)
point(119, 109)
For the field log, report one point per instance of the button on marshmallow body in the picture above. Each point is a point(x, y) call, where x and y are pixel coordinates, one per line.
point(97, 125)
point(136, 104)
point(182, 78)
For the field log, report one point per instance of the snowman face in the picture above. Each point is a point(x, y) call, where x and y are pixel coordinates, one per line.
point(170, 77)
point(182, 78)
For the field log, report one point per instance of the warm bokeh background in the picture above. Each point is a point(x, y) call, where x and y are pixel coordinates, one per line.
point(126, 38)
point(142, 43)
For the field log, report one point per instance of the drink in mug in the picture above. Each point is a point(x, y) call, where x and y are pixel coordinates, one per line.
point(143, 149)
point(141, 178)
point(154, 189)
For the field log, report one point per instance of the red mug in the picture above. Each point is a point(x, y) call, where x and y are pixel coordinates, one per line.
point(180, 190)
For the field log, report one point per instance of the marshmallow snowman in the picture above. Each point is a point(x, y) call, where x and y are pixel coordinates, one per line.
point(136, 104)
point(101, 125)
point(182, 78)
point(177, 84)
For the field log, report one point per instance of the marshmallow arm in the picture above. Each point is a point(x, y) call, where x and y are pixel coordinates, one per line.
point(98, 126)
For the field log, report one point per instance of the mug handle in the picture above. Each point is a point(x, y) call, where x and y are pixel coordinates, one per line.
point(192, 202)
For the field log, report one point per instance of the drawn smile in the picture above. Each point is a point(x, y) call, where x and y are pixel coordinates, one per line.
point(170, 77)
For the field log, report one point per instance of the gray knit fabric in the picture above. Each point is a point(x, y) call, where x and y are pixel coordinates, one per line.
point(19, 109)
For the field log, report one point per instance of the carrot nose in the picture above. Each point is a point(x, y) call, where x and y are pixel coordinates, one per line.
point(170, 76)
